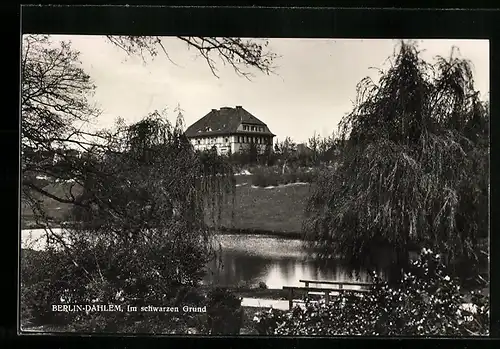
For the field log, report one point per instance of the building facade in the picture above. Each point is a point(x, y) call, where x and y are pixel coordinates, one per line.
point(229, 130)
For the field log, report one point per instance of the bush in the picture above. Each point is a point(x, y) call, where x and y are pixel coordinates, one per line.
point(141, 322)
point(266, 322)
point(427, 303)
point(42, 284)
point(265, 177)
point(262, 285)
point(307, 176)
point(224, 312)
point(48, 277)
point(105, 275)
point(272, 176)
point(290, 177)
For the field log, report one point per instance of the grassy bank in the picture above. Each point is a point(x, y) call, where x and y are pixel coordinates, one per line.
point(276, 211)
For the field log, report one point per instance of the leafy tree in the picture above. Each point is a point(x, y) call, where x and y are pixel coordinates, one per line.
point(147, 198)
point(414, 171)
point(268, 157)
point(253, 153)
point(287, 151)
point(327, 148)
point(313, 143)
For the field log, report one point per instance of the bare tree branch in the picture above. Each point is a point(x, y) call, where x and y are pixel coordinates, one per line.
point(240, 54)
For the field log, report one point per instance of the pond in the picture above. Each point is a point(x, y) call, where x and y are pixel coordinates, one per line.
point(250, 259)
point(278, 262)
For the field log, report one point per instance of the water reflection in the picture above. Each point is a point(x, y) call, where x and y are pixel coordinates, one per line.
point(248, 260)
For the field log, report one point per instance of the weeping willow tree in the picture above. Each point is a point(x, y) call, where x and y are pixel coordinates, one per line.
point(140, 229)
point(414, 169)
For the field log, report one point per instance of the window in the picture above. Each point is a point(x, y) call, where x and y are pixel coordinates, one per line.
point(244, 127)
point(199, 142)
point(227, 140)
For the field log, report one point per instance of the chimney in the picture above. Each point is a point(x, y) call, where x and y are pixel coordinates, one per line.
point(238, 107)
point(214, 110)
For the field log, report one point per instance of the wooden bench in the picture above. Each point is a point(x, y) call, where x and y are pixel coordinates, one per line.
point(323, 290)
point(340, 284)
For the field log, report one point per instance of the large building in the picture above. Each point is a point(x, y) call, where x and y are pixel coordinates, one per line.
point(229, 130)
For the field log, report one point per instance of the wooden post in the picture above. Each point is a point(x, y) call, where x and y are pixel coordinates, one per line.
point(307, 283)
point(327, 296)
point(290, 299)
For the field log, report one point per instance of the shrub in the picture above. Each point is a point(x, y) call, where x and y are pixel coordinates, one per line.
point(266, 322)
point(224, 312)
point(427, 303)
point(306, 176)
point(42, 284)
point(49, 277)
point(140, 322)
point(263, 177)
point(272, 176)
point(290, 177)
point(262, 285)
point(107, 275)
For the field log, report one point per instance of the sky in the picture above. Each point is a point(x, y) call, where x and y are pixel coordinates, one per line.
point(312, 89)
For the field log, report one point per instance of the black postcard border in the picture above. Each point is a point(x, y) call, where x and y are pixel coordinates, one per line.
point(227, 21)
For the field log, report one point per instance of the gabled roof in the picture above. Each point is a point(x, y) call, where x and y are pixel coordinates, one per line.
point(225, 121)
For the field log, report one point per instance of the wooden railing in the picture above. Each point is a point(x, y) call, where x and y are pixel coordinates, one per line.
point(341, 284)
point(326, 291)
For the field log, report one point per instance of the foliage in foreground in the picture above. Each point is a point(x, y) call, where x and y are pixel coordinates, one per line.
point(428, 303)
point(141, 236)
point(40, 289)
point(414, 168)
point(224, 312)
